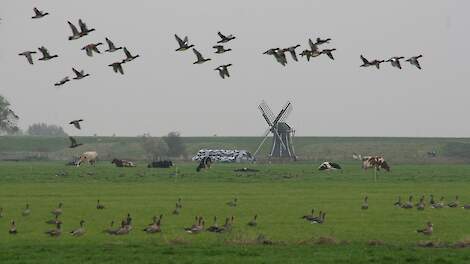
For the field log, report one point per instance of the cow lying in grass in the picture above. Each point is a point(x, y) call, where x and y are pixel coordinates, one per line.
point(160, 164)
point(205, 163)
point(89, 156)
point(123, 163)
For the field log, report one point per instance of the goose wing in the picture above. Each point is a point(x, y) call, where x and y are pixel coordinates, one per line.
point(330, 55)
point(128, 54)
point(82, 25)
point(181, 43)
point(77, 72)
point(364, 60)
point(198, 55)
point(73, 27)
point(37, 12)
point(221, 35)
point(313, 46)
point(417, 64)
point(110, 43)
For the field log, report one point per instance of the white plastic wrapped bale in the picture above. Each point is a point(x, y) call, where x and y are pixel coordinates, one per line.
point(224, 155)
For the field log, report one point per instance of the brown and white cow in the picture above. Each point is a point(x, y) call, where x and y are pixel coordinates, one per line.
point(374, 162)
point(123, 163)
point(89, 156)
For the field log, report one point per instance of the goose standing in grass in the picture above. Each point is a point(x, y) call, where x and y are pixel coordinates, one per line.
point(395, 61)
point(431, 200)
point(129, 56)
point(123, 230)
point(220, 49)
point(225, 39)
point(54, 221)
point(79, 74)
point(13, 230)
point(322, 41)
point(233, 203)
point(367, 63)
point(177, 210)
point(215, 227)
point(73, 143)
point(310, 216)
point(329, 53)
point(111, 230)
point(28, 55)
point(84, 29)
point(455, 203)
point(439, 204)
point(409, 203)
point(26, 211)
point(196, 228)
point(39, 14)
point(223, 70)
point(1, 212)
point(111, 46)
point(63, 81)
point(421, 205)
point(183, 43)
point(398, 202)
point(99, 206)
point(291, 50)
point(253, 222)
point(79, 231)
point(200, 58)
point(57, 211)
point(55, 232)
point(320, 219)
point(92, 47)
point(76, 123)
point(155, 227)
point(45, 54)
point(365, 204)
point(117, 67)
point(414, 61)
point(426, 230)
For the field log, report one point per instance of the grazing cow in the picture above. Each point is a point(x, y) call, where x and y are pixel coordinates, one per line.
point(375, 162)
point(123, 163)
point(160, 164)
point(205, 163)
point(89, 156)
point(329, 166)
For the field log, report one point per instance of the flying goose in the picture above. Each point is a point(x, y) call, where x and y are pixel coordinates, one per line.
point(57, 211)
point(63, 81)
point(76, 123)
point(39, 14)
point(75, 33)
point(79, 74)
point(455, 203)
point(280, 57)
point(291, 50)
point(365, 204)
point(414, 61)
point(367, 63)
point(183, 43)
point(427, 230)
point(129, 56)
point(28, 55)
point(12, 230)
point(56, 231)
point(73, 143)
point(322, 41)
point(45, 54)
point(220, 49)
point(224, 39)
point(398, 202)
point(223, 70)
point(329, 53)
point(92, 47)
point(409, 203)
point(99, 206)
point(395, 61)
point(314, 49)
point(26, 211)
point(199, 57)
point(233, 203)
point(79, 231)
point(84, 29)
point(253, 222)
point(117, 67)
point(306, 53)
point(111, 46)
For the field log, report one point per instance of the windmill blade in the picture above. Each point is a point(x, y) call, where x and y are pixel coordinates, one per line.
point(264, 114)
point(281, 114)
point(286, 113)
point(264, 108)
point(280, 139)
point(266, 134)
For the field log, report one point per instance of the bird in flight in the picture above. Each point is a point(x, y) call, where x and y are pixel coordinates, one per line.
point(76, 123)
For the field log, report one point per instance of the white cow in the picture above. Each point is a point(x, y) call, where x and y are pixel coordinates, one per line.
point(89, 156)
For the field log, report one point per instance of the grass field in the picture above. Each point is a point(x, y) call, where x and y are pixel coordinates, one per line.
point(279, 194)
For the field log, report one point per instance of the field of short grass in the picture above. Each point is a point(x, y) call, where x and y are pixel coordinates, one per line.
point(280, 194)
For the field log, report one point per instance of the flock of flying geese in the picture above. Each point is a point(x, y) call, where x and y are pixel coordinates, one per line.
point(394, 61)
point(219, 49)
point(90, 49)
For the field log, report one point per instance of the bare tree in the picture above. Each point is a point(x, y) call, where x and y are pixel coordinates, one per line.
point(155, 148)
point(42, 129)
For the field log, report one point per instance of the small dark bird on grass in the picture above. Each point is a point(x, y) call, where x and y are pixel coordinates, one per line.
point(426, 230)
point(26, 211)
point(233, 203)
point(79, 231)
point(73, 143)
point(38, 13)
point(224, 39)
point(365, 204)
point(111, 46)
point(99, 205)
point(13, 230)
point(56, 231)
point(28, 55)
point(253, 222)
point(76, 123)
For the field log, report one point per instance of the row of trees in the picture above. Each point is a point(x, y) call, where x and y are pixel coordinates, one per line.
point(170, 145)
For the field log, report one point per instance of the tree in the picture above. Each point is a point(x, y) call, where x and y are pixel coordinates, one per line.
point(155, 148)
point(42, 129)
point(8, 118)
point(176, 148)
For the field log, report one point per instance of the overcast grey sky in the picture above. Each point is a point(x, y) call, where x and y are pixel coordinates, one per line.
point(163, 91)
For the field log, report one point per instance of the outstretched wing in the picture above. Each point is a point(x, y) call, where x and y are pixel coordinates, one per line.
point(74, 29)
point(76, 72)
point(198, 54)
point(180, 41)
point(44, 51)
point(128, 54)
point(110, 43)
point(82, 25)
point(37, 12)
point(364, 60)
point(313, 46)
point(221, 35)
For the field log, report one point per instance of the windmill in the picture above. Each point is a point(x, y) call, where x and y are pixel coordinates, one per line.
point(282, 146)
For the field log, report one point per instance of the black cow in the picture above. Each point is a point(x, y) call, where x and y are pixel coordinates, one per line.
point(205, 163)
point(160, 164)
